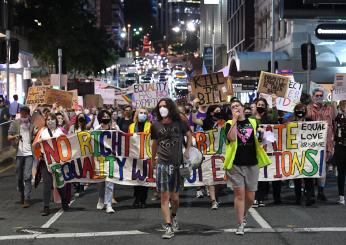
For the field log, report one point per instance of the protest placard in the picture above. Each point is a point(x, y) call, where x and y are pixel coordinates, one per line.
point(147, 95)
point(63, 98)
point(47, 96)
point(270, 83)
point(211, 88)
point(339, 91)
point(298, 152)
point(36, 96)
point(93, 100)
point(107, 94)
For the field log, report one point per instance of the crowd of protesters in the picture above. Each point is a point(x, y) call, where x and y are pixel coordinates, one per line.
point(171, 122)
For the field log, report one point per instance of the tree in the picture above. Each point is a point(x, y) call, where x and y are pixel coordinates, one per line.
point(69, 25)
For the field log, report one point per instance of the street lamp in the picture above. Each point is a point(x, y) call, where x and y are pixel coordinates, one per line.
point(176, 29)
point(128, 36)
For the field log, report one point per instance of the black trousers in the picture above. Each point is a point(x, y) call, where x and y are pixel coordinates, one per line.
point(339, 159)
point(263, 190)
point(140, 194)
point(309, 188)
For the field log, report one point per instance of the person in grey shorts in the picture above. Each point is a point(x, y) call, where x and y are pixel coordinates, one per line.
point(244, 156)
point(167, 136)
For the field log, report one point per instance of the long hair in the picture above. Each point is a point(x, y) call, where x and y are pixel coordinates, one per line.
point(83, 126)
point(172, 108)
point(211, 109)
point(52, 117)
point(135, 117)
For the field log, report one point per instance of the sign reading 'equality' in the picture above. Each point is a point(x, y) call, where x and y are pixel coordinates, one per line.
point(147, 95)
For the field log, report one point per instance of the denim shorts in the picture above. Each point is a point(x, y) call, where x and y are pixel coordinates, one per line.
point(168, 178)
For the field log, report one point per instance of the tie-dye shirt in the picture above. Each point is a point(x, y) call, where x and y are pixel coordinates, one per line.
point(246, 151)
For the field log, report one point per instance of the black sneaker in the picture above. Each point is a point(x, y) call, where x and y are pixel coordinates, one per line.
point(45, 211)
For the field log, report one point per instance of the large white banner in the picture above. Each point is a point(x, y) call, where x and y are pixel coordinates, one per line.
point(299, 152)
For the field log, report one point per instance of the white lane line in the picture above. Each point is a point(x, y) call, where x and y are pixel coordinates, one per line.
point(72, 235)
point(136, 232)
point(55, 217)
point(259, 219)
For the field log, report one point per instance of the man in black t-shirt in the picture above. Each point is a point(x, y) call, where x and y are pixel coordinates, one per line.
point(168, 136)
point(125, 122)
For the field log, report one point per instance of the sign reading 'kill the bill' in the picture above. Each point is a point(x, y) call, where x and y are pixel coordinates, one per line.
point(270, 83)
point(211, 88)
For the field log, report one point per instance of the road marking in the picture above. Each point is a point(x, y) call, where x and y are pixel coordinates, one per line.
point(136, 232)
point(72, 235)
point(259, 219)
point(7, 168)
point(55, 217)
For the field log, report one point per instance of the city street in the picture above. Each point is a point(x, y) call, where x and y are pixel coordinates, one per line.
point(285, 224)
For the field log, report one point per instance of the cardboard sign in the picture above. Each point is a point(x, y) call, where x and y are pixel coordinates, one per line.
point(36, 96)
point(93, 100)
point(211, 88)
point(147, 95)
point(339, 91)
point(63, 98)
point(48, 96)
point(270, 83)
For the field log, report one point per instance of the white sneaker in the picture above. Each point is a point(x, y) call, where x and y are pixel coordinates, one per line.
point(169, 233)
point(341, 200)
point(109, 210)
point(214, 205)
point(199, 194)
point(255, 204)
point(175, 224)
point(100, 205)
point(77, 194)
point(240, 230)
point(291, 184)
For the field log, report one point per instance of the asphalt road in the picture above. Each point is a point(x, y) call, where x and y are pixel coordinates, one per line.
point(324, 223)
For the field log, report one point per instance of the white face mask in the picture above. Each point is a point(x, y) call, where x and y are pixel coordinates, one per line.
point(51, 124)
point(163, 112)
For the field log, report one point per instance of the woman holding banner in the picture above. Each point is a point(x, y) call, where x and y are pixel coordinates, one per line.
point(105, 188)
point(212, 120)
point(264, 116)
point(51, 130)
point(244, 156)
point(300, 115)
point(140, 124)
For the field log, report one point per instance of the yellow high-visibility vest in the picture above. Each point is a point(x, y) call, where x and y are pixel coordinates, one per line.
point(231, 149)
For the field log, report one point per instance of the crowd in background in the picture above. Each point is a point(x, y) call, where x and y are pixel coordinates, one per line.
point(29, 125)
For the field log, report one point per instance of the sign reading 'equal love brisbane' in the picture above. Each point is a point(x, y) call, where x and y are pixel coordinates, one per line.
point(94, 156)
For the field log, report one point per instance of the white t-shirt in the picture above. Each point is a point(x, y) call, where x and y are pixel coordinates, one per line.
point(45, 134)
point(24, 147)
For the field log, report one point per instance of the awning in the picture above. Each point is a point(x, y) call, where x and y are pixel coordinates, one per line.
point(251, 63)
point(25, 59)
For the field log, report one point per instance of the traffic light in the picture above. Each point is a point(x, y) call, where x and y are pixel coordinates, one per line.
point(304, 53)
point(14, 51)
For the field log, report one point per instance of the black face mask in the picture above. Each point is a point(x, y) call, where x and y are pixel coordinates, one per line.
point(261, 109)
point(248, 115)
point(218, 115)
point(187, 110)
point(299, 113)
point(105, 120)
point(81, 119)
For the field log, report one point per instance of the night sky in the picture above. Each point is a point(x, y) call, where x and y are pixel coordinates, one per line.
point(138, 13)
